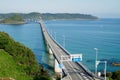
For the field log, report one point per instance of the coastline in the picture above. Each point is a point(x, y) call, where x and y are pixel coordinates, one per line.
point(17, 23)
point(72, 19)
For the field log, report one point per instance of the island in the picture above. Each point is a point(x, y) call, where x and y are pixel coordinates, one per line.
point(20, 18)
point(15, 19)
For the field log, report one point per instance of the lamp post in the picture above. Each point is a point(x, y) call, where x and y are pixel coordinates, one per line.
point(105, 69)
point(96, 60)
point(64, 41)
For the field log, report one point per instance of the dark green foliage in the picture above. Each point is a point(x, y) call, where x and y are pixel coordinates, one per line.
point(15, 19)
point(3, 40)
point(109, 74)
point(23, 56)
point(49, 16)
point(114, 75)
point(57, 76)
point(42, 78)
point(42, 74)
point(33, 15)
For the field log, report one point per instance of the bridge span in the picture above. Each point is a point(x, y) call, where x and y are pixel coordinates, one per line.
point(72, 70)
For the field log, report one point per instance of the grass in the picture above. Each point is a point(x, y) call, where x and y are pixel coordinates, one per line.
point(10, 69)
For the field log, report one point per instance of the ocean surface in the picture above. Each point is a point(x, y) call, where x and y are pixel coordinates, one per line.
point(76, 36)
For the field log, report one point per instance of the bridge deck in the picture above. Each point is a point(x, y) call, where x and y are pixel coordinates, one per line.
point(75, 71)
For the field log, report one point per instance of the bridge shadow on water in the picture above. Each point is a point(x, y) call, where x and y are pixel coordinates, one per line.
point(48, 62)
point(48, 67)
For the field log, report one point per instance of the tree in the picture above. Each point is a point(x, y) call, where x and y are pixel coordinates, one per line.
point(116, 75)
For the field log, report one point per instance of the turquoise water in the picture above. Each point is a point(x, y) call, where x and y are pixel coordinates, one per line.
point(31, 36)
point(84, 36)
point(80, 37)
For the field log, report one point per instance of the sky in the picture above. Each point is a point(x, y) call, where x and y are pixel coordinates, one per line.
point(100, 8)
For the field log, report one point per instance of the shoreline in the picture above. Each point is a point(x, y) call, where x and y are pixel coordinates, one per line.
point(71, 19)
point(18, 23)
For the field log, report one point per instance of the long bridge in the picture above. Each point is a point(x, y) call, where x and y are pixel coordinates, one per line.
point(72, 70)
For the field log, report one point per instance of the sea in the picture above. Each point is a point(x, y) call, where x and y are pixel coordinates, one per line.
point(77, 37)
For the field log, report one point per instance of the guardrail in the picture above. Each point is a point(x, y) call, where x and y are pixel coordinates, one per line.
point(89, 72)
point(50, 45)
point(56, 41)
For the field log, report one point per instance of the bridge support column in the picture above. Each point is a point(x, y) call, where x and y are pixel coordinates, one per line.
point(56, 67)
point(50, 51)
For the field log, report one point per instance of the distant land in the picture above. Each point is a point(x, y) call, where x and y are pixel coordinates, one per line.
point(4, 18)
point(15, 19)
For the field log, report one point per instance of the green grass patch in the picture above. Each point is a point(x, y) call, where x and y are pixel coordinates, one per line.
point(9, 68)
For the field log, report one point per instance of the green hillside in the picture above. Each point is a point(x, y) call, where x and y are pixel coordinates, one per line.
point(10, 69)
point(15, 19)
point(21, 61)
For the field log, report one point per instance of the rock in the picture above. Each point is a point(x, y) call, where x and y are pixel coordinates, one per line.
point(116, 64)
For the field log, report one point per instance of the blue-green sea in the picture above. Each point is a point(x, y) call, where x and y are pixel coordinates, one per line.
point(78, 36)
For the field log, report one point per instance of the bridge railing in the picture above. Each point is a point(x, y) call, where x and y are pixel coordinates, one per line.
point(88, 71)
point(44, 29)
point(57, 58)
point(57, 42)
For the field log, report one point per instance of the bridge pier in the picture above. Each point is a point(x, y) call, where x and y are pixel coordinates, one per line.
point(56, 67)
point(50, 51)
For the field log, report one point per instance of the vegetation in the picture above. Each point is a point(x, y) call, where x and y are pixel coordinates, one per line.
point(114, 75)
point(57, 76)
point(49, 16)
point(21, 58)
point(64, 16)
point(10, 69)
point(16, 19)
